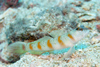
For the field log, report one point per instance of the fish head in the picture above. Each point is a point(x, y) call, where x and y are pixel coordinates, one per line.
point(78, 35)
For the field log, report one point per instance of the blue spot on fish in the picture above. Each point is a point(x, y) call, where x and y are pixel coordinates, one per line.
point(81, 46)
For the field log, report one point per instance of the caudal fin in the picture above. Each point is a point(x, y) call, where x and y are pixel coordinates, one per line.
point(17, 48)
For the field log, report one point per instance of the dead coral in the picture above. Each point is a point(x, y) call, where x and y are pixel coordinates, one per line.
point(25, 30)
point(1, 26)
point(3, 61)
point(11, 59)
point(7, 57)
point(9, 3)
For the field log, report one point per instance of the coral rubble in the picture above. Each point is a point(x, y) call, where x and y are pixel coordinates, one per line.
point(35, 19)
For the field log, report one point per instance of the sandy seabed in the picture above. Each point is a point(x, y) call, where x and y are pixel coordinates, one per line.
point(40, 16)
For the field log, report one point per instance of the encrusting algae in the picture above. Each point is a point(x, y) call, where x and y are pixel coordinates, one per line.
point(48, 44)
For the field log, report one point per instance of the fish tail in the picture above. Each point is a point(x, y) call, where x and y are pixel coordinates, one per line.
point(17, 48)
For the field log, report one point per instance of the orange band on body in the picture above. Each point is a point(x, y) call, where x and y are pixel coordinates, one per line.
point(60, 41)
point(71, 37)
point(49, 44)
point(39, 46)
point(23, 47)
point(30, 46)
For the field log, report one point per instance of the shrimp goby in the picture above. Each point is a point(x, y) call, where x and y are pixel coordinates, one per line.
point(48, 44)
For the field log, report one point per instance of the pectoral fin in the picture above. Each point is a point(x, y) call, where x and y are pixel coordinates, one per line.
point(69, 53)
